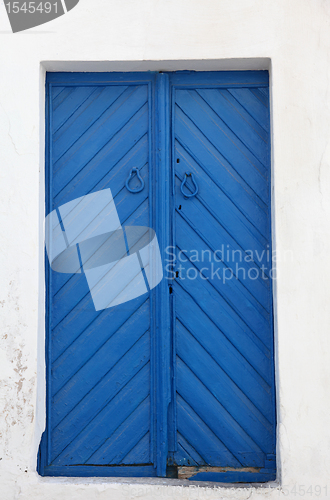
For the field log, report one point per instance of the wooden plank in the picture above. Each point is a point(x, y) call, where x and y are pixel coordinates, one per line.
point(104, 423)
point(97, 360)
point(189, 472)
point(231, 79)
point(215, 416)
point(99, 137)
point(226, 355)
point(162, 344)
point(210, 159)
point(238, 155)
point(204, 444)
point(254, 105)
point(238, 122)
point(100, 471)
point(70, 106)
point(219, 323)
point(69, 427)
point(232, 290)
point(87, 359)
point(231, 397)
point(122, 441)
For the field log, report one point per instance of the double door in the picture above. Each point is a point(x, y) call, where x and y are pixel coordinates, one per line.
point(179, 380)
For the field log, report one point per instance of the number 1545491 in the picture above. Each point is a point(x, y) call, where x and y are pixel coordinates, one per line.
point(32, 7)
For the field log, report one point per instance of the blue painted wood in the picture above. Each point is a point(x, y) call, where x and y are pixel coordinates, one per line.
point(236, 477)
point(223, 321)
point(162, 339)
point(227, 79)
point(99, 471)
point(99, 363)
point(183, 375)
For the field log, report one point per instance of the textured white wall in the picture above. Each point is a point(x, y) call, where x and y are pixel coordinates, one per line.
point(221, 34)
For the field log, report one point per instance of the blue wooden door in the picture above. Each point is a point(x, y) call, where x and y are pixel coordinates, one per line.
point(97, 359)
point(223, 338)
point(178, 381)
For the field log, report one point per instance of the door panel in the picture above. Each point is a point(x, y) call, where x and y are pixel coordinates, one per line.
point(99, 362)
point(222, 289)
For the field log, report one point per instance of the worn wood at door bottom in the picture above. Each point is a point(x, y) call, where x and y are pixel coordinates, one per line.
point(188, 472)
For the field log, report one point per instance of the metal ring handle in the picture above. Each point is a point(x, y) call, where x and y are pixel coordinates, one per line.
point(186, 175)
point(138, 189)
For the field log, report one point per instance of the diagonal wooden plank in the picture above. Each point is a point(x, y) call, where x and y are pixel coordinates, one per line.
point(237, 221)
point(124, 439)
point(229, 395)
point(250, 176)
point(70, 106)
point(216, 113)
point(89, 110)
point(98, 134)
point(117, 144)
point(250, 118)
point(118, 192)
point(84, 318)
point(238, 123)
point(61, 96)
point(251, 384)
point(68, 422)
point(80, 312)
point(141, 450)
point(65, 285)
point(254, 106)
point(241, 211)
point(107, 168)
point(107, 420)
point(225, 248)
point(127, 204)
point(186, 454)
point(75, 291)
point(85, 182)
point(242, 169)
point(117, 173)
point(221, 137)
point(115, 176)
point(201, 438)
point(103, 110)
point(256, 369)
point(262, 94)
point(204, 153)
point(252, 242)
point(56, 91)
point(224, 255)
point(227, 321)
point(88, 352)
point(234, 293)
point(139, 217)
point(216, 417)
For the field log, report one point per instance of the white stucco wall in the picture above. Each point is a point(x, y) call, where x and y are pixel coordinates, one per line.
point(292, 39)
